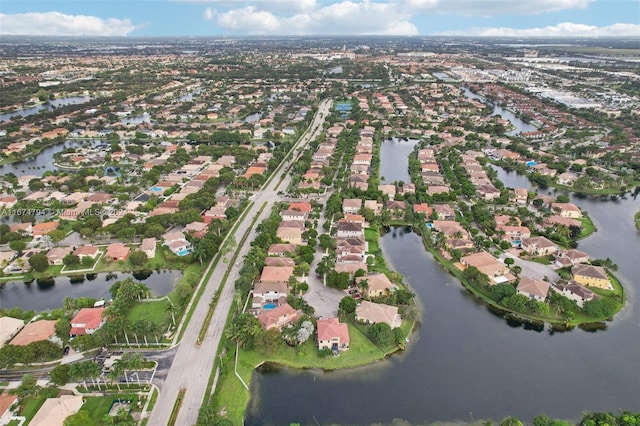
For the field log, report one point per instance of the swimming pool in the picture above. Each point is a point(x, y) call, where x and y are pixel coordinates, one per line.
point(531, 163)
point(156, 188)
point(183, 252)
point(269, 306)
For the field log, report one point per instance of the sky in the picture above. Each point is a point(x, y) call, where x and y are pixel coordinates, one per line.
point(514, 18)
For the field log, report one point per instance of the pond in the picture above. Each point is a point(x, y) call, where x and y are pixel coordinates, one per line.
point(71, 100)
point(520, 125)
point(37, 164)
point(396, 152)
point(49, 294)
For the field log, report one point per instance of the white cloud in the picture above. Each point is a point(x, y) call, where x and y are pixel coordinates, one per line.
point(290, 6)
point(59, 24)
point(486, 8)
point(564, 29)
point(344, 17)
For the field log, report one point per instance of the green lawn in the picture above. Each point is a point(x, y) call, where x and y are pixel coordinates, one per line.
point(371, 234)
point(150, 311)
point(98, 407)
point(587, 227)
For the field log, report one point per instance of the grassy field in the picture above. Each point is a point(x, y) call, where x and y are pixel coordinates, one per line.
point(150, 311)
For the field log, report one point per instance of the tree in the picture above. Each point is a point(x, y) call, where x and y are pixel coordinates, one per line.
point(138, 258)
point(39, 262)
point(61, 374)
point(17, 245)
point(380, 333)
point(244, 330)
point(28, 387)
point(509, 261)
point(510, 421)
point(347, 305)
point(71, 260)
point(62, 328)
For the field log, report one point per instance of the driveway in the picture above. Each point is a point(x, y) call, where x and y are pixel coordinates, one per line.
point(533, 269)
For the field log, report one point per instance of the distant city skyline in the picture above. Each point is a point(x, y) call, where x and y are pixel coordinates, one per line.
point(491, 18)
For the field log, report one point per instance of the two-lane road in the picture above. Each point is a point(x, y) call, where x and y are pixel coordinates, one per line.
point(193, 363)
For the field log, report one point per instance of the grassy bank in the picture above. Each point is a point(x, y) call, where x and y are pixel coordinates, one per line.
point(637, 220)
point(233, 402)
point(588, 227)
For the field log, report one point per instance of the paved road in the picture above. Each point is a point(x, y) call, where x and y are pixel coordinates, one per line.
point(192, 364)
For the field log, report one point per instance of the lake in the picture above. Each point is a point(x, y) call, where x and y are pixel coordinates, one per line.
point(45, 295)
point(465, 362)
point(51, 105)
point(396, 167)
point(520, 125)
point(37, 164)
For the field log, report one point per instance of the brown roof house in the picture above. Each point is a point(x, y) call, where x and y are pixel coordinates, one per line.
point(533, 289)
point(35, 332)
point(87, 251)
point(497, 271)
point(593, 276)
point(276, 274)
point(281, 249)
point(332, 334)
point(290, 235)
point(148, 247)
point(269, 292)
point(373, 313)
point(378, 285)
point(538, 246)
point(279, 317)
point(56, 254)
point(117, 251)
point(87, 321)
point(576, 292)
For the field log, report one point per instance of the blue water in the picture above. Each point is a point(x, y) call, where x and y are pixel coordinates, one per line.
point(183, 252)
point(156, 189)
point(531, 163)
point(269, 306)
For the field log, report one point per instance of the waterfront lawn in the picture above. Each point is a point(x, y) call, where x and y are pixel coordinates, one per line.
point(371, 236)
point(587, 227)
point(231, 397)
point(154, 311)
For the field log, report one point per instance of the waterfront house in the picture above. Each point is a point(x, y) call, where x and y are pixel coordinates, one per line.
point(576, 292)
point(593, 276)
point(573, 256)
point(567, 210)
point(87, 321)
point(148, 247)
point(378, 285)
point(538, 246)
point(332, 334)
point(86, 251)
point(497, 272)
point(35, 332)
point(279, 317)
point(57, 254)
point(8, 328)
point(373, 313)
point(533, 289)
point(117, 251)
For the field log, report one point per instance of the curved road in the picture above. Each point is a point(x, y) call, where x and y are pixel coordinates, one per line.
point(193, 363)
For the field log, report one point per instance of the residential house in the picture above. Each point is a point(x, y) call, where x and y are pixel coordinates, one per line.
point(444, 212)
point(279, 261)
point(349, 229)
point(43, 228)
point(22, 228)
point(55, 410)
point(279, 317)
point(373, 313)
point(8, 201)
point(373, 205)
point(423, 208)
point(197, 229)
point(269, 292)
point(8, 328)
point(567, 210)
point(332, 334)
point(117, 251)
point(576, 292)
point(57, 254)
point(538, 246)
point(387, 189)
point(293, 215)
point(87, 321)
point(148, 247)
point(36, 331)
point(86, 251)
point(497, 272)
point(351, 205)
point(573, 256)
point(593, 276)
point(276, 274)
point(300, 206)
point(521, 196)
point(487, 192)
point(514, 234)
point(533, 289)
point(290, 235)
point(378, 285)
point(281, 249)
point(214, 213)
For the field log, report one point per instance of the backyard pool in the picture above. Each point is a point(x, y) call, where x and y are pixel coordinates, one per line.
point(156, 189)
point(183, 252)
point(269, 306)
point(531, 163)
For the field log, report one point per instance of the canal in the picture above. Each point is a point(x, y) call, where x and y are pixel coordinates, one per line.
point(520, 125)
point(395, 167)
point(465, 362)
point(49, 294)
point(38, 164)
point(51, 105)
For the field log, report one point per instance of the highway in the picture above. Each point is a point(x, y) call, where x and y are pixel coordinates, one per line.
point(193, 363)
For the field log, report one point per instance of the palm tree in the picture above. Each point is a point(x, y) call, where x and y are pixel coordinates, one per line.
point(94, 371)
point(77, 373)
point(172, 309)
point(113, 376)
point(120, 367)
point(134, 361)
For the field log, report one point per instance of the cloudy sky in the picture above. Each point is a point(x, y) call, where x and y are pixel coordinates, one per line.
point(518, 18)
